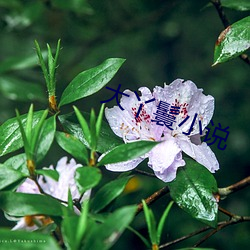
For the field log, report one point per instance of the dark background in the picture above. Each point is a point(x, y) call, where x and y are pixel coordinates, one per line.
point(161, 41)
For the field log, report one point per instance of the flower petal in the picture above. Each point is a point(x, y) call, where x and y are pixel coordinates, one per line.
point(21, 225)
point(29, 187)
point(125, 124)
point(201, 153)
point(125, 166)
point(65, 182)
point(191, 101)
point(165, 158)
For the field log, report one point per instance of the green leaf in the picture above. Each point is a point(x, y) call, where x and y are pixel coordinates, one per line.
point(82, 223)
point(18, 162)
point(73, 146)
point(127, 152)
point(53, 174)
point(10, 136)
point(241, 5)
point(151, 223)
point(28, 127)
point(74, 228)
point(90, 81)
point(8, 176)
point(162, 222)
point(99, 121)
point(78, 6)
point(92, 127)
point(106, 234)
point(233, 41)
point(16, 240)
point(19, 63)
point(108, 193)
point(84, 125)
point(20, 204)
point(19, 90)
point(193, 191)
point(22, 131)
point(143, 239)
point(107, 139)
point(43, 65)
point(70, 201)
point(46, 138)
point(37, 132)
point(69, 230)
point(87, 177)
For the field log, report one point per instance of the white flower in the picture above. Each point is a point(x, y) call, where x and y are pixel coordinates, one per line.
point(166, 157)
point(58, 189)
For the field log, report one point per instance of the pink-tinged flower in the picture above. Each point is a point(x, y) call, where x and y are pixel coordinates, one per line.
point(166, 157)
point(58, 189)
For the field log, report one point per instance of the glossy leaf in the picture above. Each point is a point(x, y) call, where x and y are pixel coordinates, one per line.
point(87, 177)
point(127, 152)
point(10, 136)
point(8, 176)
point(53, 174)
point(46, 137)
point(233, 41)
point(105, 235)
point(108, 193)
point(73, 146)
point(241, 5)
point(90, 81)
point(20, 204)
point(19, 90)
point(18, 162)
point(16, 240)
point(107, 138)
point(193, 191)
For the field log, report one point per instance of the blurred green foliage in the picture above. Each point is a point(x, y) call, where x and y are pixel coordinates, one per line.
point(161, 41)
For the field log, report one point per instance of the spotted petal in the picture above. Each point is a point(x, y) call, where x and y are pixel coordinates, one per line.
point(126, 125)
point(191, 101)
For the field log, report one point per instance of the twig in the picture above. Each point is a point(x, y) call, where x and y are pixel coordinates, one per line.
point(152, 198)
point(224, 211)
point(223, 192)
point(144, 173)
point(222, 15)
point(204, 229)
point(226, 23)
point(235, 220)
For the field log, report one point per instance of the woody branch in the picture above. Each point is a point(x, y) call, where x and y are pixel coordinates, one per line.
point(226, 23)
point(234, 220)
point(223, 192)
